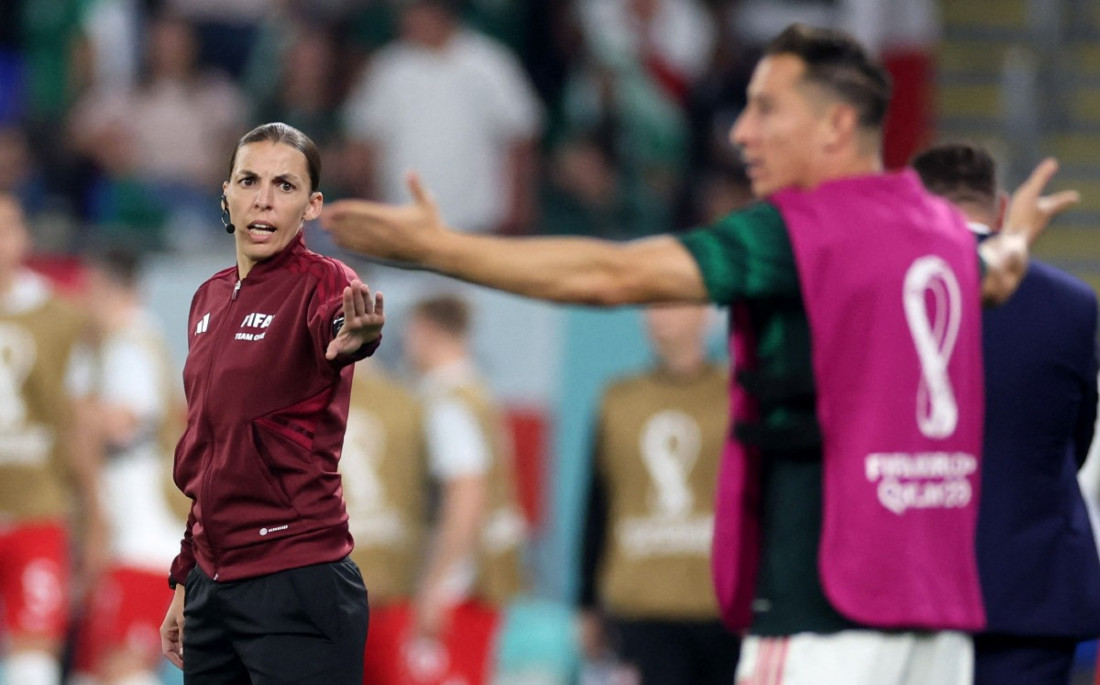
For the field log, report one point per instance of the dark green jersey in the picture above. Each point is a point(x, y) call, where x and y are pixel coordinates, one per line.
point(747, 258)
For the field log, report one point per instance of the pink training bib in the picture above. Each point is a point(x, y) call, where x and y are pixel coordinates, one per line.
point(890, 283)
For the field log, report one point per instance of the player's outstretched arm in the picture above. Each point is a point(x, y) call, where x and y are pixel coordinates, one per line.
point(576, 270)
point(1029, 212)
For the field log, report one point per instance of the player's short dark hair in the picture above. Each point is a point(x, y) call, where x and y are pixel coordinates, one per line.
point(960, 172)
point(450, 313)
point(121, 265)
point(278, 132)
point(837, 62)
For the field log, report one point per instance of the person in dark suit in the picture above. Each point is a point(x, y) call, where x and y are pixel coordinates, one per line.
point(1037, 557)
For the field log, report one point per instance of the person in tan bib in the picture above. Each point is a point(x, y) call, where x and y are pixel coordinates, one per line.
point(646, 593)
point(384, 467)
point(472, 568)
point(43, 469)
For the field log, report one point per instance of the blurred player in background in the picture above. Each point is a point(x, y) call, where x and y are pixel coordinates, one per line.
point(136, 405)
point(45, 466)
point(646, 592)
point(384, 469)
point(472, 567)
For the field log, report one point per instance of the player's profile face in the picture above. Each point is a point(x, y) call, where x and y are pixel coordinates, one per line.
point(780, 128)
point(269, 199)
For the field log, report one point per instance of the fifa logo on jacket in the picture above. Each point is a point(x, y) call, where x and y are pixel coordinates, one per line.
point(257, 320)
point(254, 320)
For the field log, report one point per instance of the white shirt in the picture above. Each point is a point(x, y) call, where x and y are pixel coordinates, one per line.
point(144, 531)
point(451, 115)
point(456, 444)
point(681, 32)
point(456, 447)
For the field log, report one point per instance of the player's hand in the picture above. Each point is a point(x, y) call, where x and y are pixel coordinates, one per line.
point(363, 320)
point(171, 630)
point(1030, 211)
point(398, 233)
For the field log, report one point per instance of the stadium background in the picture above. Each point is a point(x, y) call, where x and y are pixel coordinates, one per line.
point(1022, 76)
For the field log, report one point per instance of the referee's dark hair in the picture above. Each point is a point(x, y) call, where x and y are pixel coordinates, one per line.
point(836, 62)
point(278, 132)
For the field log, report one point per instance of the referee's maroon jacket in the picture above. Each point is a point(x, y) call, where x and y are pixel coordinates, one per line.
point(266, 414)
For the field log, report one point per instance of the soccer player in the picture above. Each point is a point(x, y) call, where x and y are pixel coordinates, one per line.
point(43, 466)
point(133, 400)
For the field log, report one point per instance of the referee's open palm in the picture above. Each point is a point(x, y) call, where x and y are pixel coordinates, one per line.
point(363, 320)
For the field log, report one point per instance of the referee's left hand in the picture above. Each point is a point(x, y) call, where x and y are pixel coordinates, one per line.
point(171, 630)
point(363, 320)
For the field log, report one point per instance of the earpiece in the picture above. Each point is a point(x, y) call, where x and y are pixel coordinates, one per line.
point(229, 227)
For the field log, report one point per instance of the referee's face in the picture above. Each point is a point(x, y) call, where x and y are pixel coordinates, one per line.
point(269, 198)
point(782, 129)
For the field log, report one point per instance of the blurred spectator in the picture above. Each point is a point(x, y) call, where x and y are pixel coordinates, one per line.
point(722, 191)
point(136, 405)
point(583, 193)
point(643, 56)
point(472, 567)
point(49, 37)
point(113, 31)
point(756, 21)
point(301, 91)
point(225, 29)
point(508, 21)
point(670, 39)
point(10, 12)
point(646, 591)
point(306, 95)
point(159, 147)
point(47, 474)
point(19, 175)
point(457, 108)
point(49, 75)
point(714, 103)
point(904, 33)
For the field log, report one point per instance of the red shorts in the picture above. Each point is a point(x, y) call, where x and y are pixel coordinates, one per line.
point(124, 613)
point(465, 656)
point(34, 579)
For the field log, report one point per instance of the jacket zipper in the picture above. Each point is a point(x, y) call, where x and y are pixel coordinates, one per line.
point(209, 430)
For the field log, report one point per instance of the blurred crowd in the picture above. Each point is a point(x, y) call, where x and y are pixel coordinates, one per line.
point(599, 117)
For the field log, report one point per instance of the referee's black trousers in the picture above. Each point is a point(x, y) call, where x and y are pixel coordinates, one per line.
point(305, 626)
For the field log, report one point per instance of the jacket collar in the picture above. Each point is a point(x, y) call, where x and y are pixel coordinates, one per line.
point(275, 263)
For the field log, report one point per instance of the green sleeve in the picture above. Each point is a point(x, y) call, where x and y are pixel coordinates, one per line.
point(746, 255)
